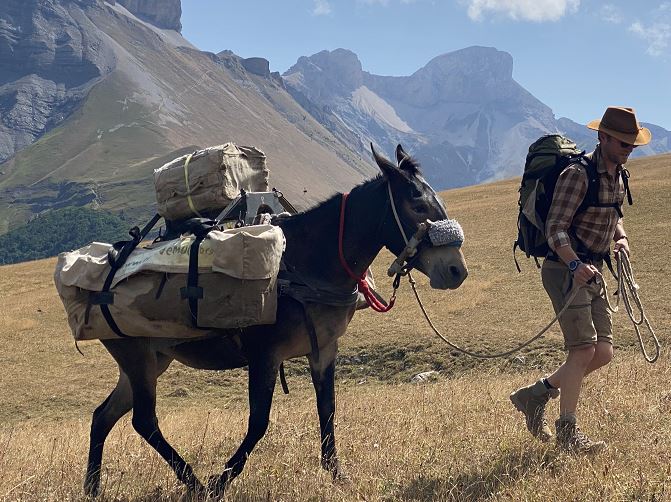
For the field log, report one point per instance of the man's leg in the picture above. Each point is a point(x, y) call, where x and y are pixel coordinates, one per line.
point(602, 356)
point(569, 377)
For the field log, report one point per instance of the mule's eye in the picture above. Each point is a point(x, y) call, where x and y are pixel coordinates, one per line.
point(415, 194)
point(420, 207)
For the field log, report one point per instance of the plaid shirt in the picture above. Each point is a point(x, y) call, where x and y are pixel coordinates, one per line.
point(595, 226)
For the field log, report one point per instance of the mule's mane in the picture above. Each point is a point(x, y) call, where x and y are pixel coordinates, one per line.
point(409, 164)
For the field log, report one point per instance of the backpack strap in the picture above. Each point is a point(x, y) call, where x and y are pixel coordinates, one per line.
point(592, 196)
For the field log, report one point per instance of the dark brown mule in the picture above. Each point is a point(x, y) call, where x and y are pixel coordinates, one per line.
point(311, 255)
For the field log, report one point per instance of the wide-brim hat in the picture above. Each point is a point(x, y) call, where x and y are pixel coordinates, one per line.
point(621, 123)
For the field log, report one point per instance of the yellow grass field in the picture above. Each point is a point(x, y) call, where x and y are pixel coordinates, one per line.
point(456, 437)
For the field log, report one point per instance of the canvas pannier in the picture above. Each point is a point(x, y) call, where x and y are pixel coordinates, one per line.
point(208, 180)
point(237, 270)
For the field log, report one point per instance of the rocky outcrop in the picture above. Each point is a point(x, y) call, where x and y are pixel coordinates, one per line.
point(164, 14)
point(257, 66)
point(326, 75)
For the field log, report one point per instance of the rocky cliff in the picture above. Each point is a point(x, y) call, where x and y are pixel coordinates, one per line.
point(50, 56)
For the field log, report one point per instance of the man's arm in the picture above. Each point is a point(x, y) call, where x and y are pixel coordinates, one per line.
point(570, 191)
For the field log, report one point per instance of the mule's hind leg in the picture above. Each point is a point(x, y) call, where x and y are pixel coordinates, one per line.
point(117, 404)
point(262, 378)
point(323, 379)
point(141, 365)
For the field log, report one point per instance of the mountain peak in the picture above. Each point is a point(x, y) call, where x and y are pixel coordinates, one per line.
point(474, 60)
point(339, 71)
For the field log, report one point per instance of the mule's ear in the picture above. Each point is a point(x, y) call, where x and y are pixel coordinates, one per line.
point(400, 154)
point(385, 166)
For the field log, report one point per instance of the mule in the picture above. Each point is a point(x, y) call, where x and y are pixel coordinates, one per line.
point(378, 213)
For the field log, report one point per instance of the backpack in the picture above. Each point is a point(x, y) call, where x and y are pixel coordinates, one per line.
point(547, 158)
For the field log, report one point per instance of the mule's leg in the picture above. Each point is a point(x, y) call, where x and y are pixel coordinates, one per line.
point(323, 379)
point(117, 404)
point(262, 378)
point(141, 365)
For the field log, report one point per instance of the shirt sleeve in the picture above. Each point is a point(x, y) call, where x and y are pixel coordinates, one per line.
point(569, 193)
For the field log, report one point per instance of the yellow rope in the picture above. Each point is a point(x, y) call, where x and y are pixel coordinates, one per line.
point(188, 190)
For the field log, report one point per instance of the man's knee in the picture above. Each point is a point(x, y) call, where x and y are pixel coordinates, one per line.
point(603, 353)
point(582, 355)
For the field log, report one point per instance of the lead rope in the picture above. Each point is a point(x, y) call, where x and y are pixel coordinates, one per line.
point(626, 287)
point(574, 292)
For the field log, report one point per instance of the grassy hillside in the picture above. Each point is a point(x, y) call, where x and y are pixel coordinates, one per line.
point(457, 438)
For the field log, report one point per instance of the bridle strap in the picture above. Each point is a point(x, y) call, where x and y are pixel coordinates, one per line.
point(398, 220)
point(362, 284)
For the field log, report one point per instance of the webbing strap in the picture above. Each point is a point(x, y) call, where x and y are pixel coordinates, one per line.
point(192, 291)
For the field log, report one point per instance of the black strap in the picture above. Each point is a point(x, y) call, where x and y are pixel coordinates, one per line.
point(312, 332)
point(592, 196)
point(283, 379)
point(192, 291)
point(625, 181)
point(199, 227)
point(117, 256)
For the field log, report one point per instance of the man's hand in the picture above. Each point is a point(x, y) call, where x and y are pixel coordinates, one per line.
point(584, 273)
point(622, 244)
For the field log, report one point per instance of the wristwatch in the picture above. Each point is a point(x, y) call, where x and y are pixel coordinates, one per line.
point(573, 265)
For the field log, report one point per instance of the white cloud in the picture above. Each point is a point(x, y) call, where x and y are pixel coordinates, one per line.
point(657, 35)
point(611, 13)
point(384, 3)
point(523, 10)
point(321, 8)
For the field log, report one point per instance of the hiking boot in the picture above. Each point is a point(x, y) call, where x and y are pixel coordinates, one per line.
point(572, 440)
point(531, 401)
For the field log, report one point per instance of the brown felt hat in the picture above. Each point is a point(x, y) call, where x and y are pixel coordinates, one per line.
point(621, 123)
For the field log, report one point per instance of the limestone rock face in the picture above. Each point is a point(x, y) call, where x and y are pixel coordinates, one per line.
point(50, 56)
point(161, 13)
point(462, 113)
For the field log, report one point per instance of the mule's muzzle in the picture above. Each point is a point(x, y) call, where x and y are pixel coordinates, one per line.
point(433, 233)
point(446, 233)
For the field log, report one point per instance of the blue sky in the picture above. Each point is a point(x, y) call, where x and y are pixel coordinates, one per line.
point(576, 56)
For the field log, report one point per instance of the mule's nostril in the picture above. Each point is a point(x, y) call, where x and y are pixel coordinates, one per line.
point(455, 272)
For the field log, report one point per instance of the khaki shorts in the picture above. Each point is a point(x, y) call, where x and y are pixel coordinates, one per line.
point(587, 320)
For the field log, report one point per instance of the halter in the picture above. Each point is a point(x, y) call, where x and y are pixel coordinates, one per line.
point(445, 232)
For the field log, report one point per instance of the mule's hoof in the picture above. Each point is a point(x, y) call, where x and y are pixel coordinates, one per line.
point(216, 486)
point(341, 477)
point(337, 472)
point(92, 488)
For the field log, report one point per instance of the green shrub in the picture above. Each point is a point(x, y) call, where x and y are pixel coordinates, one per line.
point(61, 230)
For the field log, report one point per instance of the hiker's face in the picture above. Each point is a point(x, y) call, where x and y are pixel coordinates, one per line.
point(616, 151)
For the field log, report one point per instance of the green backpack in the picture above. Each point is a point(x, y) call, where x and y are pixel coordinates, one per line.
point(547, 158)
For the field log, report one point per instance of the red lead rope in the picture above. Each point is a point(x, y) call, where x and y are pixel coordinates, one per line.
point(371, 299)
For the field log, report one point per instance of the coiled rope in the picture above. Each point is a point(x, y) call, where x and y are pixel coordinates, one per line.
point(627, 290)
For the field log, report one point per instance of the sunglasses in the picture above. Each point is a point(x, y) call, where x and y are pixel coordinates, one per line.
point(627, 145)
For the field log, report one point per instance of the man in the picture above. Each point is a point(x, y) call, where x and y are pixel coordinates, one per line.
point(580, 240)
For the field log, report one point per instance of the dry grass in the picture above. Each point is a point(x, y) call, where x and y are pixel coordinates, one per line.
point(455, 439)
